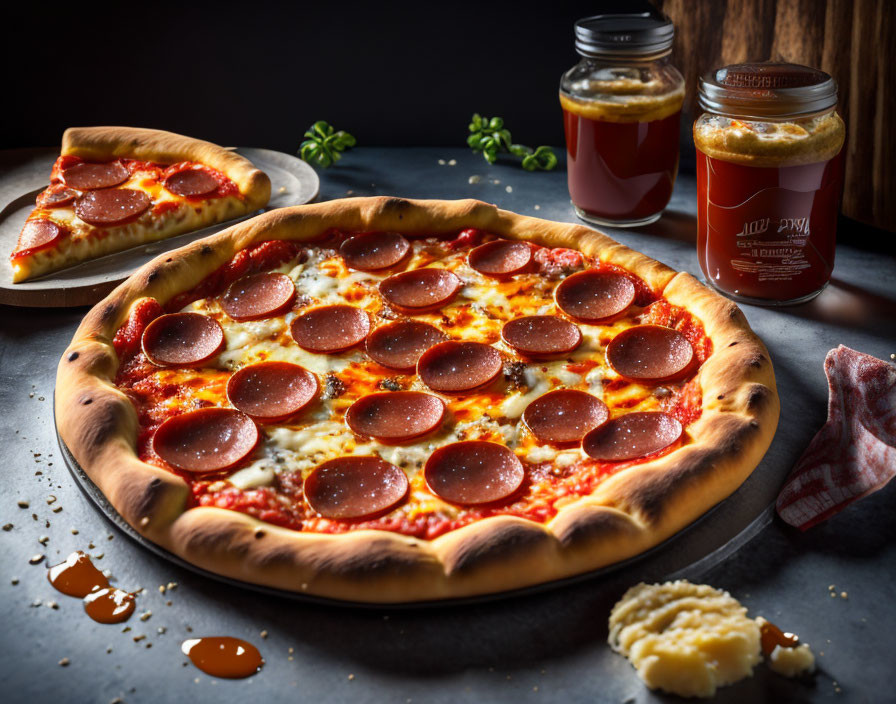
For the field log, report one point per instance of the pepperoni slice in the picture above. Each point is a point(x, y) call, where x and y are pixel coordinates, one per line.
point(191, 183)
point(396, 416)
point(564, 416)
point(259, 296)
point(207, 440)
point(56, 196)
point(473, 472)
point(272, 391)
point(594, 296)
point(632, 436)
point(650, 353)
point(112, 206)
point(399, 345)
point(420, 290)
point(372, 251)
point(330, 329)
point(541, 335)
point(355, 487)
point(455, 367)
point(500, 258)
point(182, 339)
point(37, 234)
point(88, 176)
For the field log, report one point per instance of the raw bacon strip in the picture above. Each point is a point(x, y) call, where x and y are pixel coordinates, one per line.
point(854, 453)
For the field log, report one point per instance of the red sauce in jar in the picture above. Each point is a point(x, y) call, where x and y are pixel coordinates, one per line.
point(621, 171)
point(767, 232)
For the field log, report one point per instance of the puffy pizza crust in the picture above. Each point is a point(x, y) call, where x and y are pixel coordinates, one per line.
point(628, 513)
point(168, 148)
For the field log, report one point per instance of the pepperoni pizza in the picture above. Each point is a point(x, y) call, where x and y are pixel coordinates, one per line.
point(385, 400)
point(118, 187)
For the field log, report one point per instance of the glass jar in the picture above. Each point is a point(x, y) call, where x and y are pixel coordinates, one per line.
point(769, 177)
point(621, 114)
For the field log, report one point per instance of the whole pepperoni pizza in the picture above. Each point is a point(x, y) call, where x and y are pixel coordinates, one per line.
point(386, 400)
point(117, 187)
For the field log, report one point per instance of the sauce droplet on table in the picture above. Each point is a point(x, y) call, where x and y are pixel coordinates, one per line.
point(223, 656)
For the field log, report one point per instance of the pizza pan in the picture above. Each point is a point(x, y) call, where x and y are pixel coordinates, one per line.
point(25, 174)
point(702, 564)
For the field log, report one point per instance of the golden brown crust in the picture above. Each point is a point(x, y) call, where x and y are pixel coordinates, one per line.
point(168, 148)
point(628, 513)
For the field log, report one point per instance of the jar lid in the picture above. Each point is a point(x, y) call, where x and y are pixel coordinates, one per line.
point(624, 34)
point(766, 89)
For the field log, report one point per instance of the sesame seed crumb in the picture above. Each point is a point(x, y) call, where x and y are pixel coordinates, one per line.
point(162, 589)
point(537, 207)
point(161, 630)
point(64, 662)
point(263, 634)
point(75, 531)
point(509, 189)
point(441, 162)
point(474, 179)
point(139, 637)
point(52, 604)
point(146, 615)
point(23, 504)
point(37, 559)
point(452, 162)
point(14, 581)
point(351, 677)
point(8, 527)
point(51, 499)
point(844, 595)
point(58, 509)
point(44, 539)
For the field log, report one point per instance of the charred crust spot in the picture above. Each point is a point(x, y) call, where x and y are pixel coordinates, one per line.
point(155, 482)
point(597, 524)
point(86, 401)
point(733, 344)
point(754, 424)
point(757, 360)
point(73, 356)
point(110, 310)
point(720, 397)
point(169, 259)
point(493, 548)
point(259, 534)
point(205, 250)
point(758, 396)
point(398, 204)
point(152, 276)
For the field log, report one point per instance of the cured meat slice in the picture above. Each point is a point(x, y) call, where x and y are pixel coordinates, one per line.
point(473, 472)
point(272, 391)
point(455, 367)
point(650, 353)
point(420, 290)
point(500, 258)
point(88, 176)
point(632, 436)
point(396, 416)
point(594, 296)
point(112, 206)
point(399, 345)
point(372, 251)
point(330, 329)
point(37, 234)
point(540, 336)
point(854, 453)
point(564, 416)
point(182, 339)
point(207, 440)
point(56, 196)
point(259, 296)
point(191, 183)
point(355, 487)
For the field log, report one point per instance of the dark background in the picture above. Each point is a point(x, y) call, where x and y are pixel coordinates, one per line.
point(259, 73)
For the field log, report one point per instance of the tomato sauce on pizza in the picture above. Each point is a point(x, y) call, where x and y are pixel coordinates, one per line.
point(408, 384)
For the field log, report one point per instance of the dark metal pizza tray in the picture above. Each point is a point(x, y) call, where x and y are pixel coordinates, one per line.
point(705, 562)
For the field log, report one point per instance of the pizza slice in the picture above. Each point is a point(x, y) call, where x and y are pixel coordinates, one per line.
point(118, 187)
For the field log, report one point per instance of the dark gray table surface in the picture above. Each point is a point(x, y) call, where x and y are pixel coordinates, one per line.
point(544, 647)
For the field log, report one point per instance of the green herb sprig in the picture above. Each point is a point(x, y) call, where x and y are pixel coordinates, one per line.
point(490, 137)
point(323, 145)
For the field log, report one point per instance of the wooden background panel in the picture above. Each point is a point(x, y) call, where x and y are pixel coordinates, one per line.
point(853, 40)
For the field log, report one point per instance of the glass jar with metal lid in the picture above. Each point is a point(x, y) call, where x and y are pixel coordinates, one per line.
point(621, 113)
point(769, 177)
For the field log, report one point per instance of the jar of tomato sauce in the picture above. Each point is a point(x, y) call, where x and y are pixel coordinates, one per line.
point(769, 178)
point(621, 114)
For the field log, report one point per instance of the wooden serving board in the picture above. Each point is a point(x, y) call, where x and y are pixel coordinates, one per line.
point(25, 173)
